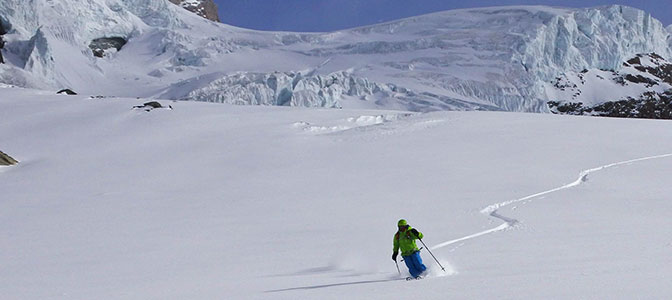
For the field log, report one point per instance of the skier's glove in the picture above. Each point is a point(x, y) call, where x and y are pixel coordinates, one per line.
point(414, 231)
point(394, 256)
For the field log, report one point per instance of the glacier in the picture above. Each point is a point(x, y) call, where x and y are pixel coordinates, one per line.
point(307, 90)
point(497, 58)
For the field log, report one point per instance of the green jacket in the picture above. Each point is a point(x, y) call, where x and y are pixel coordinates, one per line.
point(406, 242)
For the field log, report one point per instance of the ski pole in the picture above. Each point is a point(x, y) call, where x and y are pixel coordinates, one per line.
point(430, 252)
point(395, 262)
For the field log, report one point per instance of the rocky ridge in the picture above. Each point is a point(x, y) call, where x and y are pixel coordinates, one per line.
point(6, 160)
point(204, 8)
point(642, 88)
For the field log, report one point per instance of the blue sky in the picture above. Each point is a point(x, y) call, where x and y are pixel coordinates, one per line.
point(329, 15)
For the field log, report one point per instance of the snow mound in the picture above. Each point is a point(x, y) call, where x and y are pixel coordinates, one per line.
point(351, 123)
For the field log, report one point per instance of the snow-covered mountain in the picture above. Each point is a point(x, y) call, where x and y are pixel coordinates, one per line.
point(204, 8)
point(499, 58)
point(642, 88)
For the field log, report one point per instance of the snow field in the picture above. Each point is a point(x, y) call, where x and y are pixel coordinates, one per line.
point(218, 201)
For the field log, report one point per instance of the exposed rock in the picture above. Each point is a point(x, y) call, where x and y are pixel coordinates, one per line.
point(148, 106)
point(649, 106)
point(6, 160)
point(640, 79)
point(3, 31)
point(641, 89)
point(204, 8)
point(66, 91)
point(656, 66)
point(100, 45)
point(2, 45)
point(5, 26)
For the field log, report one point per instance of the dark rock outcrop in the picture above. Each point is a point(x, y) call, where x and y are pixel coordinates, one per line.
point(66, 91)
point(662, 69)
point(6, 160)
point(650, 105)
point(647, 70)
point(204, 8)
point(100, 45)
point(2, 45)
point(4, 28)
point(148, 106)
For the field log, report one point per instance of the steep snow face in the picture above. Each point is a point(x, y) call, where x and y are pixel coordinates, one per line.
point(309, 90)
point(497, 58)
point(594, 38)
point(53, 49)
point(500, 55)
point(283, 89)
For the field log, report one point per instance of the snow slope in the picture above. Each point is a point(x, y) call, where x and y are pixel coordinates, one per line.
point(640, 74)
point(497, 58)
point(213, 201)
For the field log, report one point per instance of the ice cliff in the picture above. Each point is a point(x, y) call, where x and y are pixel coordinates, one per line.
point(499, 58)
point(307, 90)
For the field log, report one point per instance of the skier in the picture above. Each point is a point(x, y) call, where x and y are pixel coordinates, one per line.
point(404, 239)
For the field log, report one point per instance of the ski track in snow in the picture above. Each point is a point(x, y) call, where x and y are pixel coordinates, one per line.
point(491, 210)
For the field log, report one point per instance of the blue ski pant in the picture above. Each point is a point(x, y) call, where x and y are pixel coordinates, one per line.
point(414, 264)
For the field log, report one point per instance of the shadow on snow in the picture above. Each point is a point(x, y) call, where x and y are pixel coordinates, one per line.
point(333, 285)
